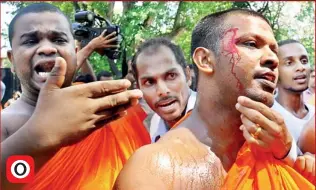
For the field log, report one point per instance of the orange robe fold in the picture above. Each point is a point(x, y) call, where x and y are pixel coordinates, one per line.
point(261, 171)
point(95, 162)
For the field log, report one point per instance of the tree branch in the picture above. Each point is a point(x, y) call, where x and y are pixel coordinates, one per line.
point(176, 22)
point(178, 27)
point(264, 8)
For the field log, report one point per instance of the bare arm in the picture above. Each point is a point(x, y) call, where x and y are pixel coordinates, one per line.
point(86, 68)
point(174, 162)
point(306, 141)
point(95, 44)
point(138, 173)
point(24, 141)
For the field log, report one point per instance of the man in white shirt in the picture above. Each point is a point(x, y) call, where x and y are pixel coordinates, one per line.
point(294, 74)
point(163, 76)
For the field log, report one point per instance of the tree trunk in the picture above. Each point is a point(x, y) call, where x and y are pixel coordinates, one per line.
point(109, 14)
point(178, 27)
point(76, 6)
point(127, 6)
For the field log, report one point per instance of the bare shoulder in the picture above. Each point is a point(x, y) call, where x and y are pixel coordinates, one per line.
point(13, 118)
point(177, 161)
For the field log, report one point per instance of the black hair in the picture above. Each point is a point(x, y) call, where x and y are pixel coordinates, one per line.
point(151, 46)
point(208, 32)
point(104, 74)
point(86, 78)
point(288, 41)
point(35, 8)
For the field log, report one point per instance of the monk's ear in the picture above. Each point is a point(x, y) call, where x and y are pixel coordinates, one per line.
point(204, 59)
point(11, 59)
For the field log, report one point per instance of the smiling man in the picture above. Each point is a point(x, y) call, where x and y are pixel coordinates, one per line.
point(164, 77)
point(294, 75)
point(235, 53)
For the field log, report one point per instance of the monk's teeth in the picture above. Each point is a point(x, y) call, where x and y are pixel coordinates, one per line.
point(43, 74)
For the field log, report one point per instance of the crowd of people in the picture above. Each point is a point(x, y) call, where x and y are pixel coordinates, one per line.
point(241, 116)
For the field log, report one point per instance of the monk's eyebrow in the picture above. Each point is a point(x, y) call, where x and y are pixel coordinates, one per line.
point(36, 33)
point(249, 35)
point(57, 33)
point(29, 34)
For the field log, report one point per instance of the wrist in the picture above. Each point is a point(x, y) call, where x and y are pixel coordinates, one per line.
point(291, 156)
point(91, 46)
point(41, 141)
point(288, 147)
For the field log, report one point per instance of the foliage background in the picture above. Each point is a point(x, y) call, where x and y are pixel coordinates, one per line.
point(142, 20)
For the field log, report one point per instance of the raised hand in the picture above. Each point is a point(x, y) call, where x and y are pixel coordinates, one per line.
point(104, 41)
point(66, 115)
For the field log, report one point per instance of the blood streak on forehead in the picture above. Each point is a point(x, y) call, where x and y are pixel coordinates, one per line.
point(229, 49)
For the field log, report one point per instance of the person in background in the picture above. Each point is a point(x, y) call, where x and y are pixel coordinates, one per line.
point(83, 78)
point(294, 75)
point(95, 45)
point(162, 74)
point(104, 76)
point(16, 95)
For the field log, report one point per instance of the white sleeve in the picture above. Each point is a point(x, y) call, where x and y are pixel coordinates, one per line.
point(292, 155)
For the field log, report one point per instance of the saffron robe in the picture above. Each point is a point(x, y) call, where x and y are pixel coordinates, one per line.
point(95, 162)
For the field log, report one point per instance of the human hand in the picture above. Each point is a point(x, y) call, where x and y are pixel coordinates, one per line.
point(305, 165)
point(264, 127)
point(102, 41)
point(66, 115)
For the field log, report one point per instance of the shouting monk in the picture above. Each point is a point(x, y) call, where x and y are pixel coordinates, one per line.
point(235, 53)
point(59, 125)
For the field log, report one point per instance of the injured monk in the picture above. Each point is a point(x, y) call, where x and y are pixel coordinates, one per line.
point(65, 128)
point(231, 139)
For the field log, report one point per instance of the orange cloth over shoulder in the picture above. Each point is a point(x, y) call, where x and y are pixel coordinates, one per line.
point(261, 171)
point(95, 162)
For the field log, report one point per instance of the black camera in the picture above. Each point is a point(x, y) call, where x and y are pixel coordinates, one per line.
point(89, 25)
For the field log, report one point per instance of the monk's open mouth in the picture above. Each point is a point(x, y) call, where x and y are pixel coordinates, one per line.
point(43, 68)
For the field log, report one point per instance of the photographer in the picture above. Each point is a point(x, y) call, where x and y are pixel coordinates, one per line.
point(97, 44)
